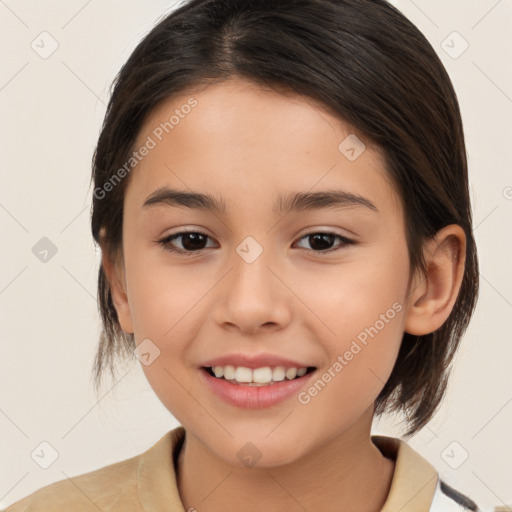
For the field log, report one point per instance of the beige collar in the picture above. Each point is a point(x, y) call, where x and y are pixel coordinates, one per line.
point(414, 480)
point(412, 488)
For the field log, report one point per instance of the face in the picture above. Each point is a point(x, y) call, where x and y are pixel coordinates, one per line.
point(260, 283)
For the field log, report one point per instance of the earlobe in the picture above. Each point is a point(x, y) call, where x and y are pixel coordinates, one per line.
point(115, 275)
point(433, 295)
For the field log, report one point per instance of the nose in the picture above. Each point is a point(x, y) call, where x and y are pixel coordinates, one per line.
point(253, 295)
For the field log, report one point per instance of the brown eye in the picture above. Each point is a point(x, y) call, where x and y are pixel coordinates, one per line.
point(322, 242)
point(192, 241)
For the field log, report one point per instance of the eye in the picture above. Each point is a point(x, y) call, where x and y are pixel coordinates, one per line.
point(321, 241)
point(192, 241)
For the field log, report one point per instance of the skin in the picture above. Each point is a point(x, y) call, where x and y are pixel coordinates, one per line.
point(247, 145)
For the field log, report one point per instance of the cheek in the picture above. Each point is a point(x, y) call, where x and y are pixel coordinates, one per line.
point(163, 304)
point(354, 295)
point(362, 354)
point(361, 308)
point(163, 296)
point(164, 300)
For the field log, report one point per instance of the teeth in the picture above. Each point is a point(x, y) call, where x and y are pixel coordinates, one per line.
point(278, 373)
point(243, 374)
point(262, 375)
point(291, 373)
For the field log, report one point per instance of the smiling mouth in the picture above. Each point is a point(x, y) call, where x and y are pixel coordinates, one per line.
point(264, 376)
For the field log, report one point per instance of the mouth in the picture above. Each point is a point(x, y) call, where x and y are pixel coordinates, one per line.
point(263, 376)
point(254, 381)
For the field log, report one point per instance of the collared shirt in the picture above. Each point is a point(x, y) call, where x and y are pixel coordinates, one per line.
point(147, 483)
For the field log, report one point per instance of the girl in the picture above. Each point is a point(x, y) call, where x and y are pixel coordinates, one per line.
point(281, 200)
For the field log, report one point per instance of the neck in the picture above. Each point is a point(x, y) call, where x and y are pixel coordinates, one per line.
point(346, 473)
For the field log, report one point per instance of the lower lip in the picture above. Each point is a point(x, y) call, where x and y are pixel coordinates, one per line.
point(254, 397)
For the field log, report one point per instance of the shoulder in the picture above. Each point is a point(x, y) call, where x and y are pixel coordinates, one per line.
point(144, 482)
point(416, 485)
point(113, 487)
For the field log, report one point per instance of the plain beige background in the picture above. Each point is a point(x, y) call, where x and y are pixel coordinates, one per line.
point(51, 107)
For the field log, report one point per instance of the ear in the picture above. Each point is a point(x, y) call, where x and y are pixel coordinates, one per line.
point(115, 274)
point(433, 295)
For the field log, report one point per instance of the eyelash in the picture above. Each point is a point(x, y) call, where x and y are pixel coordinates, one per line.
point(166, 242)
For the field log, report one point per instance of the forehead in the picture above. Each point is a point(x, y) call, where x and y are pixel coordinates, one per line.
point(239, 140)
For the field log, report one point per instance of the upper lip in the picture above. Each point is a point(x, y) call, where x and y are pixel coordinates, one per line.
point(254, 361)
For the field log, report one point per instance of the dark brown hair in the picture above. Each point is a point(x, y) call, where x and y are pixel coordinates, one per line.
point(367, 64)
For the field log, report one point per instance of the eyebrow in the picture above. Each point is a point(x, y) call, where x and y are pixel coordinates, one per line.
point(294, 202)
